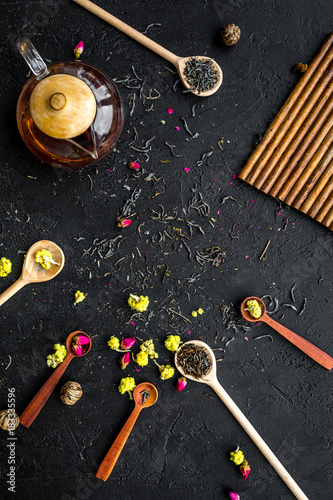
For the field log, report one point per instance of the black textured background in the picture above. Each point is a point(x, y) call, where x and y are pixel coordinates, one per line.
point(179, 448)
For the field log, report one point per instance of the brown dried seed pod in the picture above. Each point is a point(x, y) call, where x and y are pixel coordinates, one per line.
point(230, 34)
point(9, 420)
point(70, 393)
point(299, 67)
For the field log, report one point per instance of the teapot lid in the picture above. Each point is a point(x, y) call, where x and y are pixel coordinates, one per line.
point(62, 106)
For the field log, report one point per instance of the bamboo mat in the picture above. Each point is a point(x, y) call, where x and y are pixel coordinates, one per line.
point(294, 160)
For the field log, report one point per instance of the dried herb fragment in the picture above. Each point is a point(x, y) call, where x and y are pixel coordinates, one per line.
point(302, 68)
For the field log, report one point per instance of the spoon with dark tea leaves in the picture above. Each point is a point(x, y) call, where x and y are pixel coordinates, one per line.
point(144, 395)
point(311, 350)
point(73, 346)
point(196, 361)
point(199, 74)
point(32, 272)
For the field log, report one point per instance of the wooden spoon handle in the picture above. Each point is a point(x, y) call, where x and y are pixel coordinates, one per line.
point(311, 350)
point(15, 287)
point(111, 457)
point(258, 441)
point(128, 30)
point(37, 403)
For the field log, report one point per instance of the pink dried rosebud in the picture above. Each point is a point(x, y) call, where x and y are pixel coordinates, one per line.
point(233, 496)
point(127, 343)
point(181, 384)
point(77, 344)
point(133, 165)
point(78, 49)
point(245, 469)
point(125, 360)
point(123, 222)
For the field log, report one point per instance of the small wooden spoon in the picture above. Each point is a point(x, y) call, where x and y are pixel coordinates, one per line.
point(211, 380)
point(37, 403)
point(141, 402)
point(178, 62)
point(32, 272)
point(311, 350)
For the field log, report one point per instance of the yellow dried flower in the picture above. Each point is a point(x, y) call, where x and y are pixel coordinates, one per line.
point(200, 311)
point(237, 456)
point(167, 371)
point(254, 308)
point(141, 358)
point(114, 343)
point(194, 314)
point(138, 303)
point(172, 342)
point(44, 258)
point(148, 347)
point(79, 297)
point(54, 360)
point(127, 384)
point(5, 267)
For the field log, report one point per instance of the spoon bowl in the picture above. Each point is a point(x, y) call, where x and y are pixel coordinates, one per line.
point(37, 403)
point(246, 314)
point(141, 401)
point(211, 379)
point(311, 350)
point(180, 65)
point(32, 272)
point(149, 389)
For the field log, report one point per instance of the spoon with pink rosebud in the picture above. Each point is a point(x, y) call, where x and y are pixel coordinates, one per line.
point(77, 344)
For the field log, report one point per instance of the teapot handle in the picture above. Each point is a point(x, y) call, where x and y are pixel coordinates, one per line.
point(31, 56)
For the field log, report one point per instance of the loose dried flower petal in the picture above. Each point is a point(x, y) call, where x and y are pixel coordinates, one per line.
point(79, 297)
point(78, 49)
point(170, 111)
point(233, 496)
point(127, 343)
point(123, 222)
point(245, 469)
point(181, 384)
point(125, 360)
point(133, 165)
point(237, 456)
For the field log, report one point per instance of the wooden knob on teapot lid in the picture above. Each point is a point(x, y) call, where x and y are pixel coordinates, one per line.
point(58, 101)
point(62, 106)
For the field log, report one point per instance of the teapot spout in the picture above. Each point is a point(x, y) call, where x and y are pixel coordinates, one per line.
point(31, 56)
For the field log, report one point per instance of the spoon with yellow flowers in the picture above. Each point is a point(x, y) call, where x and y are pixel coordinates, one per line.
point(253, 309)
point(144, 395)
point(77, 344)
point(196, 361)
point(43, 261)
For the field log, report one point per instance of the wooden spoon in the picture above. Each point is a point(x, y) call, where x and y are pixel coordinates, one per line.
point(141, 402)
point(37, 403)
point(311, 350)
point(178, 62)
point(32, 272)
point(211, 380)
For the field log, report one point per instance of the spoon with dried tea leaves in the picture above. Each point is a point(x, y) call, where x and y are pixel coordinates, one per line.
point(32, 272)
point(200, 75)
point(37, 403)
point(196, 361)
point(144, 395)
point(311, 350)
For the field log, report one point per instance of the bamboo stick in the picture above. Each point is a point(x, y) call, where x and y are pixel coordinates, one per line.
point(286, 107)
point(287, 132)
point(315, 195)
point(310, 168)
point(325, 184)
point(303, 154)
point(298, 146)
point(325, 208)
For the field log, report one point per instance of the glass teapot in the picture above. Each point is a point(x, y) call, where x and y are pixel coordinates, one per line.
point(69, 114)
